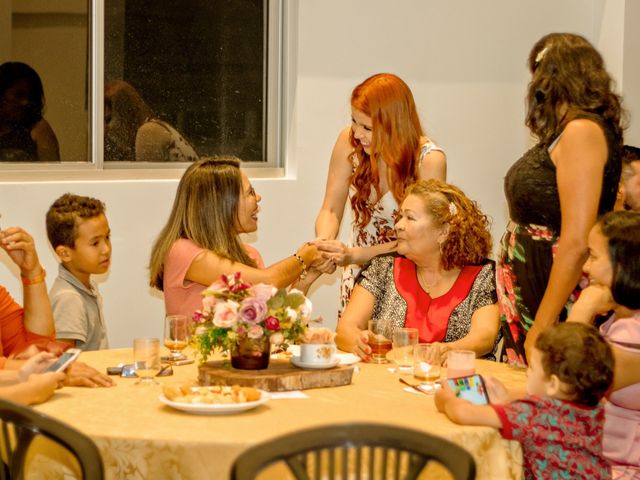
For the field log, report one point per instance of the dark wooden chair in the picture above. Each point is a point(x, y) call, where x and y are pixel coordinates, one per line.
point(360, 450)
point(21, 425)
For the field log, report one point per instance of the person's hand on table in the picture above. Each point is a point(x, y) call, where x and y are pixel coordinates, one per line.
point(362, 348)
point(37, 363)
point(444, 395)
point(82, 375)
point(44, 384)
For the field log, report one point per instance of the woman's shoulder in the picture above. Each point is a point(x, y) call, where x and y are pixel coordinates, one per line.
point(184, 246)
point(623, 329)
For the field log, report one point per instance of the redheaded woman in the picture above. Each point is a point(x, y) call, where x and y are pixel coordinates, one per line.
point(373, 161)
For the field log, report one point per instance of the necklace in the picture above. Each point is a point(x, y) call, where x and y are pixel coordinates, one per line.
point(428, 287)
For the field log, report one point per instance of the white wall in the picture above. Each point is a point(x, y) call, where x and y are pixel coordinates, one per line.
point(465, 62)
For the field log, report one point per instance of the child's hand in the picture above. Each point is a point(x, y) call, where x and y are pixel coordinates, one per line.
point(497, 392)
point(444, 395)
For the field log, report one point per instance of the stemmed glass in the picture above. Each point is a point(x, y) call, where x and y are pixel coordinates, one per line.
point(146, 359)
point(176, 336)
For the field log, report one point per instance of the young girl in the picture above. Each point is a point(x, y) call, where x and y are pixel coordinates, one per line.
point(613, 268)
point(560, 421)
point(214, 204)
point(373, 161)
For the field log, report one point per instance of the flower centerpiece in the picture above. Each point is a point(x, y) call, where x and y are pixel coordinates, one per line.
point(244, 320)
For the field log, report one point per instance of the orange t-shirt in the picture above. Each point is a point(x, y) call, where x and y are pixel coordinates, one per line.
point(14, 336)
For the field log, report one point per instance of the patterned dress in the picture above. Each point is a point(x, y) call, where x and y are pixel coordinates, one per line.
point(529, 244)
point(400, 301)
point(560, 440)
point(379, 230)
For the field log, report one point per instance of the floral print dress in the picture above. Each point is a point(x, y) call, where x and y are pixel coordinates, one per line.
point(529, 244)
point(379, 230)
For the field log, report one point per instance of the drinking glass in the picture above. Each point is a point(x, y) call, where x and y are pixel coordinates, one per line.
point(176, 336)
point(146, 359)
point(461, 363)
point(404, 342)
point(426, 366)
point(379, 344)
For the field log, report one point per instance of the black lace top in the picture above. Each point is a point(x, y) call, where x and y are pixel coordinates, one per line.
point(532, 191)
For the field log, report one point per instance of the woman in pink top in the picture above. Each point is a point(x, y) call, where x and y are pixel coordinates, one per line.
point(214, 204)
point(613, 268)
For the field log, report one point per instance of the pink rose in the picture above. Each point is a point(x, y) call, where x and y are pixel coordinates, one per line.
point(272, 323)
point(208, 304)
point(252, 310)
point(225, 315)
point(255, 332)
point(264, 292)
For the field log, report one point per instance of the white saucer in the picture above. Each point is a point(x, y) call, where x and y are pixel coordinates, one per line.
point(314, 365)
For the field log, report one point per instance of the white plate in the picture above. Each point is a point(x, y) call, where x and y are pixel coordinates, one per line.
point(216, 408)
point(314, 365)
point(347, 358)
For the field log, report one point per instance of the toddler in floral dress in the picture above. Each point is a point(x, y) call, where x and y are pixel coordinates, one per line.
point(559, 421)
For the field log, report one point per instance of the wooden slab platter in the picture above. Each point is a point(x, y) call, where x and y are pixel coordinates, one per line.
point(281, 376)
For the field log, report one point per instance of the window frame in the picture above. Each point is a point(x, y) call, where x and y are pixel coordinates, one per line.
point(277, 13)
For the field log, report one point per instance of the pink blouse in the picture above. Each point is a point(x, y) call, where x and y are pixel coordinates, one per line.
point(182, 296)
point(622, 411)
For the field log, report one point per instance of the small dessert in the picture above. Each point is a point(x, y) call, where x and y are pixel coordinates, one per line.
point(211, 395)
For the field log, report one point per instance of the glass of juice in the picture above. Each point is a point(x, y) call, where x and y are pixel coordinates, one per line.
point(176, 336)
point(461, 363)
point(426, 366)
point(380, 345)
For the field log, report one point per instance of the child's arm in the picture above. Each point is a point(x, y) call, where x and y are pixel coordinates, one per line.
point(464, 412)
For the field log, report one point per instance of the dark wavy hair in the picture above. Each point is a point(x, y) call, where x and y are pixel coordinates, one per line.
point(581, 359)
point(469, 238)
point(567, 71)
point(622, 230)
point(13, 72)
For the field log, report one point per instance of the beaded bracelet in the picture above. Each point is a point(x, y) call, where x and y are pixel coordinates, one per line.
point(39, 278)
point(302, 264)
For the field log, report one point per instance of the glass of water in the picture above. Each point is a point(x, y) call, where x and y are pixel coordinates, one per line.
point(146, 359)
point(403, 342)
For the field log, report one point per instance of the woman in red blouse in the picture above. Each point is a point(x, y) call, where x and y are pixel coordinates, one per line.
point(438, 282)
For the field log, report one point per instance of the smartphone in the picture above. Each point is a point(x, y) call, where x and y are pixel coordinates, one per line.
point(470, 388)
point(64, 360)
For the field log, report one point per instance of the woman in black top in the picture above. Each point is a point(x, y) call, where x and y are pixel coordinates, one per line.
point(558, 188)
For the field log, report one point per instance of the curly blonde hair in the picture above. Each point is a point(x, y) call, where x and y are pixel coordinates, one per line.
point(469, 240)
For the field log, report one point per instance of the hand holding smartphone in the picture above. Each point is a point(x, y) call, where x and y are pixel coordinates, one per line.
point(470, 388)
point(64, 360)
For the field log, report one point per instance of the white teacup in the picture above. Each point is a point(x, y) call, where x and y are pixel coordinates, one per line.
point(320, 353)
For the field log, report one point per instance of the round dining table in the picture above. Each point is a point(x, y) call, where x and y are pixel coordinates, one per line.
point(139, 437)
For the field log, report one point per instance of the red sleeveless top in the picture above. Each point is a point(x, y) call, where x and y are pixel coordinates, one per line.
point(430, 315)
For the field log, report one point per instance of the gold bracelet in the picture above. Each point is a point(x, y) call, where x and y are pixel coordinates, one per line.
point(302, 264)
point(39, 278)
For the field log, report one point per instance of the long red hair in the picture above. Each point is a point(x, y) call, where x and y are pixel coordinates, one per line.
point(396, 133)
